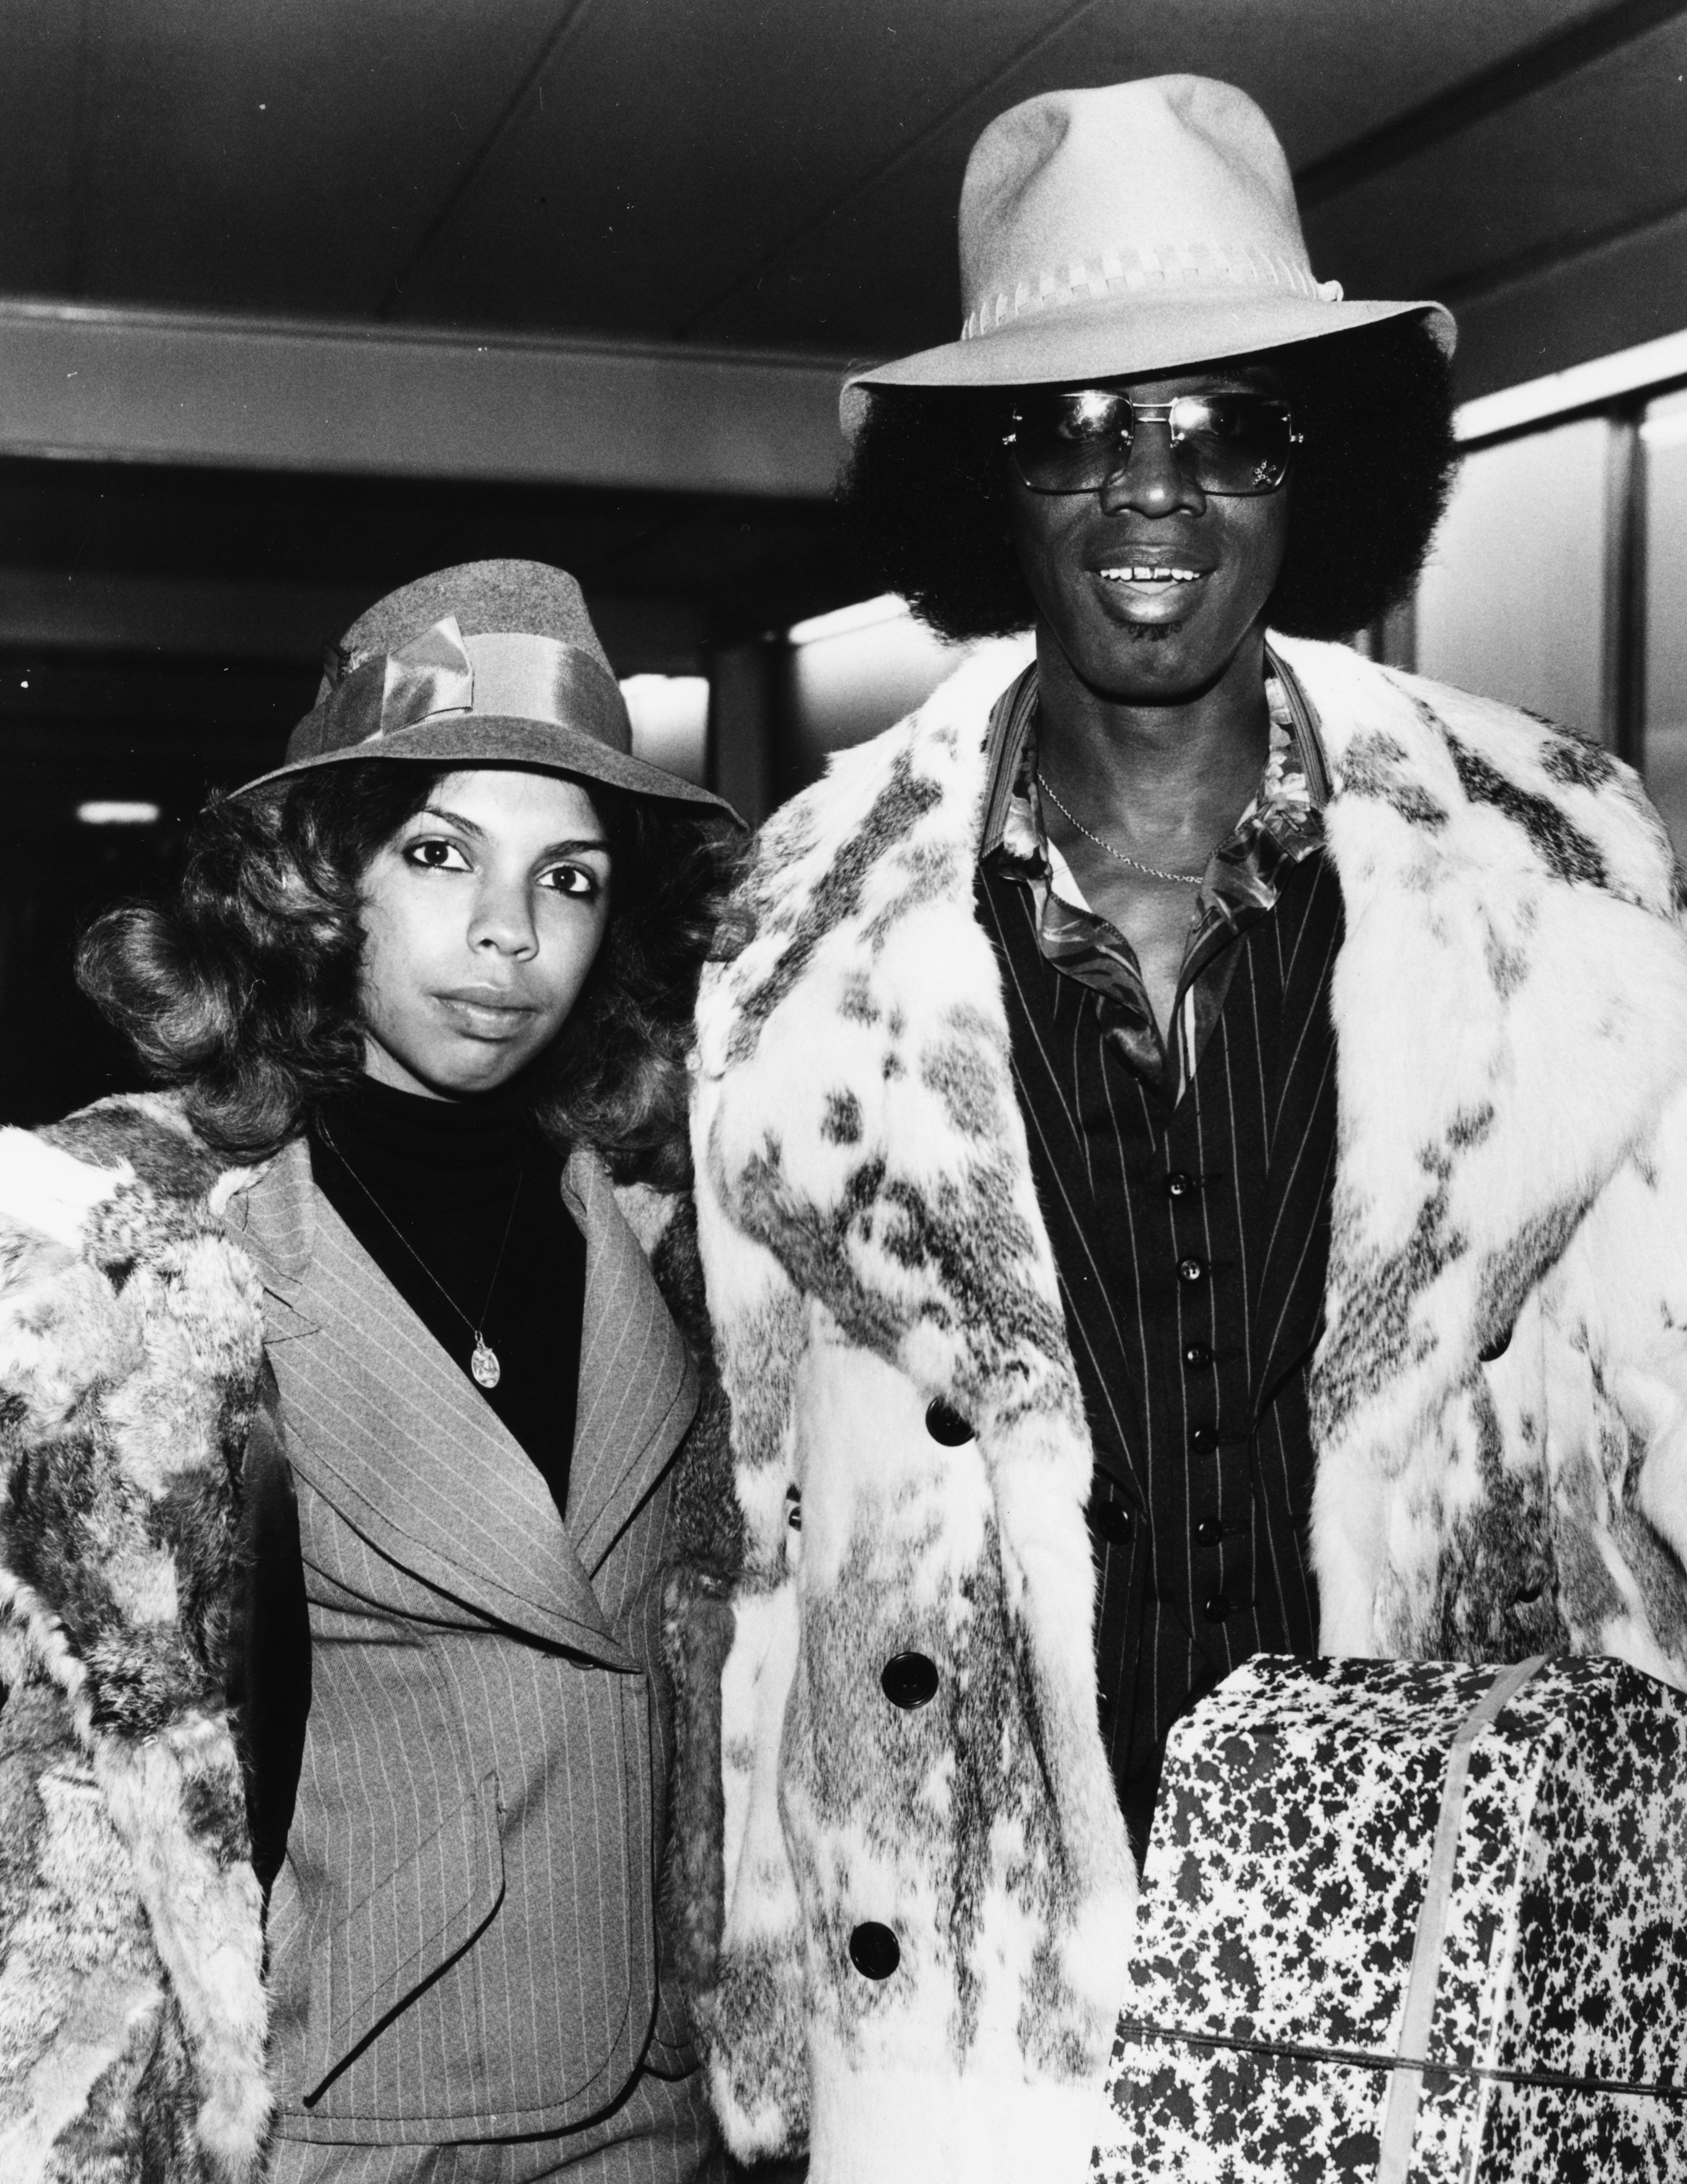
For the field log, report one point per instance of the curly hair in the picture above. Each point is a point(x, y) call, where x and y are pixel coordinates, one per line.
point(243, 988)
point(928, 485)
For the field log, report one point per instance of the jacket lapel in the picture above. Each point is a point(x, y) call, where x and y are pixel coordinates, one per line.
point(638, 1385)
point(386, 1429)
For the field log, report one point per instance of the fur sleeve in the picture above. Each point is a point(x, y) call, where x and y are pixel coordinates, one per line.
point(132, 2007)
point(704, 1550)
point(742, 1987)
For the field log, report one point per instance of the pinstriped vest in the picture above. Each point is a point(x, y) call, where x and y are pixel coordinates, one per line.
point(1191, 1247)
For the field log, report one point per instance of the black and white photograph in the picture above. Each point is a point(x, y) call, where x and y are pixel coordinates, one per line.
point(843, 1092)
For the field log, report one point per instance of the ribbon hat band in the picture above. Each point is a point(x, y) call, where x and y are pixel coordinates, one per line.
point(442, 675)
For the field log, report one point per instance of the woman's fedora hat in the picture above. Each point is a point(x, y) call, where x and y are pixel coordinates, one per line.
point(495, 663)
point(1132, 229)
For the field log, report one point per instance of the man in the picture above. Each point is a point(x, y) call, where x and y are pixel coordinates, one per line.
point(1190, 1153)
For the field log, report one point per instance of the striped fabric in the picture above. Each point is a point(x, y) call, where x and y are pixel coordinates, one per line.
point(645, 2141)
point(1191, 1242)
point(462, 1937)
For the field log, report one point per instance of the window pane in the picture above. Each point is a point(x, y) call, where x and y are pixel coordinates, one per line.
point(1664, 437)
point(855, 673)
point(1512, 601)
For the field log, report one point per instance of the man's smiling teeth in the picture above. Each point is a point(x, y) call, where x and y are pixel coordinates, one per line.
point(1141, 573)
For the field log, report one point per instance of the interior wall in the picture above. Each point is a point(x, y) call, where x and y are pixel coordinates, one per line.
point(1514, 597)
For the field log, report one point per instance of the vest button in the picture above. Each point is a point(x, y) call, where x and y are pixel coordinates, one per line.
point(1197, 1356)
point(1111, 1521)
point(1203, 1439)
point(874, 1951)
point(1208, 1531)
point(909, 1680)
point(1216, 1609)
point(1181, 1184)
point(1192, 1271)
point(945, 1424)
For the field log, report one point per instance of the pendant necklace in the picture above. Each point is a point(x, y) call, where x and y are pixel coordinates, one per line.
point(483, 1364)
point(1136, 864)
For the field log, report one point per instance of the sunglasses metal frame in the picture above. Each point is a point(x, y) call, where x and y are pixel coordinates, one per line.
point(1160, 413)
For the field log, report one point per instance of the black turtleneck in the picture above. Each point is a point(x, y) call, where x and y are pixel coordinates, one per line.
point(446, 1175)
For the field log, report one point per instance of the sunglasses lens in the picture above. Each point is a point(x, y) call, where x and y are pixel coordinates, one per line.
point(1073, 441)
point(1234, 443)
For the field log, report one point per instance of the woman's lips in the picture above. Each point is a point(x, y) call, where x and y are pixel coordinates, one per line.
point(480, 1015)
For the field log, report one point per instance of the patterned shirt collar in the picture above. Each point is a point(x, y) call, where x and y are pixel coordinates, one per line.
point(1282, 825)
point(1014, 717)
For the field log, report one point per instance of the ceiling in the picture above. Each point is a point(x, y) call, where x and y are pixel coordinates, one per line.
point(769, 174)
point(777, 172)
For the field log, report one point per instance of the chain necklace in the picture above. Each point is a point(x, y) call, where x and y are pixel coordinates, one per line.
point(483, 1361)
point(1136, 864)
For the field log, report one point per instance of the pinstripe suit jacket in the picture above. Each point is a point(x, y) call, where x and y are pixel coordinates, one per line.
point(462, 1937)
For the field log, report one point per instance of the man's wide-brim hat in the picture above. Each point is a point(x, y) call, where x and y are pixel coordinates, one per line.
point(494, 663)
point(1137, 228)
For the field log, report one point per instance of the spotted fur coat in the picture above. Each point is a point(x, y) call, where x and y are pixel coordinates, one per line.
point(1499, 1399)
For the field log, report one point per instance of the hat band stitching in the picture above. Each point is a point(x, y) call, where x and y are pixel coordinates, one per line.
point(1132, 267)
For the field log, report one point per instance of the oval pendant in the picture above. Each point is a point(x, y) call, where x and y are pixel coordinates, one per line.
point(484, 1364)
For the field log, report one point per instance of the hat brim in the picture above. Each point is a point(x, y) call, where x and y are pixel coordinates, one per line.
point(1119, 337)
point(467, 740)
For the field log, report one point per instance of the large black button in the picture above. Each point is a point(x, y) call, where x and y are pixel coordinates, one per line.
point(1216, 1609)
point(1107, 1709)
point(909, 1680)
point(793, 1509)
point(1181, 1184)
point(944, 1424)
point(1192, 1270)
point(1208, 1531)
point(1203, 1439)
point(874, 1951)
point(1197, 1356)
point(1111, 1521)
point(1497, 1348)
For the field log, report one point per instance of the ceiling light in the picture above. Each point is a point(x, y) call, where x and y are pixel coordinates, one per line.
point(118, 811)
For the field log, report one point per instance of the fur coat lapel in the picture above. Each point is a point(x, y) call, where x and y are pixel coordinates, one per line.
point(1511, 1012)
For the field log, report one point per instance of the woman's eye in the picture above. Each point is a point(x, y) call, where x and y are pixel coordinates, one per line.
point(577, 880)
point(433, 855)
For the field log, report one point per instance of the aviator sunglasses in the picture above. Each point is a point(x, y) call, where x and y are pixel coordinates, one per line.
point(1075, 439)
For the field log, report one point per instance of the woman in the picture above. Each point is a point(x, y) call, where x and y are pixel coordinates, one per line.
point(337, 1382)
point(1190, 1155)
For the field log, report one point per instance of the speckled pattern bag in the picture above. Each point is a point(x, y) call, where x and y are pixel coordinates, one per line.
point(1360, 1866)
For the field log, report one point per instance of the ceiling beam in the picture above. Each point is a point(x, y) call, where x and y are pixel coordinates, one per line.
point(1519, 76)
point(115, 384)
point(47, 612)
